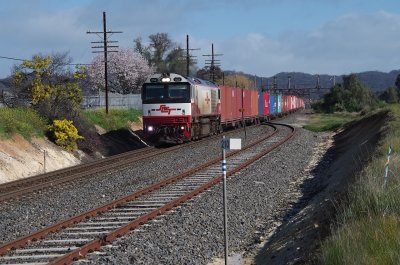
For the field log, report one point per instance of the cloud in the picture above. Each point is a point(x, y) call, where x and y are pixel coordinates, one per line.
point(37, 27)
point(351, 43)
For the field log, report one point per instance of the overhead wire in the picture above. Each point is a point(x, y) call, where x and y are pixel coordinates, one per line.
point(19, 59)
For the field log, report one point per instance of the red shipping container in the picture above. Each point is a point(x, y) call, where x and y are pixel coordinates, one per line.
point(226, 104)
point(254, 103)
point(238, 104)
point(284, 108)
point(292, 107)
point(247, 102)
point(266, 103)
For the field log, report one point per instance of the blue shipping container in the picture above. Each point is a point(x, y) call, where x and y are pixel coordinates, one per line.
point(272, 104)
point(260, 104)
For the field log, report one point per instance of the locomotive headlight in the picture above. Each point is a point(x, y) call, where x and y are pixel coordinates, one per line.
point(182, 128)
point(165, 79)
point(150, 128)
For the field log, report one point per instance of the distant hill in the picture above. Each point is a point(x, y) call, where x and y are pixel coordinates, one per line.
point(375, 80)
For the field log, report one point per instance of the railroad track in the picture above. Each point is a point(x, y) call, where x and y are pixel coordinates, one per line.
point(27, 186)
point(72, 239)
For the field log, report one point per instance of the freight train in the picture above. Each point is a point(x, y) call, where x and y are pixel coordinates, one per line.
point(178, 108)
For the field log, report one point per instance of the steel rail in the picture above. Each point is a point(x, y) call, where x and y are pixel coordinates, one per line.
point(141, 220)
point(23, 187)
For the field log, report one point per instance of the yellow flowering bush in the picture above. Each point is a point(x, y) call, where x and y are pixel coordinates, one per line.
point(64, 134)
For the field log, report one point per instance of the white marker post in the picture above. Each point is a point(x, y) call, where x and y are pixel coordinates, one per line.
point(227, 144)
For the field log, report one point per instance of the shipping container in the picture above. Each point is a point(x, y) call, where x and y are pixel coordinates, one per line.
point(266, 103)
point(272, 103)
point(292, 107)
point(246, 103)
point(284, 103)
point(279, 103)
point(237, 114)
point(260, 99)
point(226, 104)
point(254, 103)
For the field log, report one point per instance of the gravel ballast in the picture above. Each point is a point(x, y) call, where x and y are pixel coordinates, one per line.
point(192, 234)
point(27, 215)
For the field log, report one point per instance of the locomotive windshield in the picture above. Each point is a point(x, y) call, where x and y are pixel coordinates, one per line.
point(166, 92)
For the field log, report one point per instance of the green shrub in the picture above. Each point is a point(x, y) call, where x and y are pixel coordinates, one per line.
point(23, 121)
point(64, 134)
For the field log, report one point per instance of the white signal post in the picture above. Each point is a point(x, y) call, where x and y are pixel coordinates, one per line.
point(227, 144)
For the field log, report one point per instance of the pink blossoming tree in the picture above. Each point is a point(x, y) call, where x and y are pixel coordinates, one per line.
point(127, 70)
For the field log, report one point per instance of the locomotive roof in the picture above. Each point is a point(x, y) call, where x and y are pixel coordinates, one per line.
point(172, 76)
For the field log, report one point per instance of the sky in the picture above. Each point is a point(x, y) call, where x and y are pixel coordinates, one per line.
point(260, 37)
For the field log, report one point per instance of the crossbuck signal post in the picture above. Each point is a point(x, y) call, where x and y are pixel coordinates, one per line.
point(212, 62)
point(104, 49)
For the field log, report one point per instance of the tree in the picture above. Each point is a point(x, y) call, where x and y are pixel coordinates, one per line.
point(390, 95)
point(205, 73)
point(127, 71)
point(174, 62)
point(397, 83)
point(54, 90)
point(161, 43)
point(351, 96)
point(163, 54)
point(242, 81)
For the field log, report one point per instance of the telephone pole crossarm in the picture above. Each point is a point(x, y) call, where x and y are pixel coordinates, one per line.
point(104, 49)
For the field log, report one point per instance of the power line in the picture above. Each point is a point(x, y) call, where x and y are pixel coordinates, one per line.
point(19, 59)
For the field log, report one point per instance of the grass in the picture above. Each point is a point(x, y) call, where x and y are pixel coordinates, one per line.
point(23, 121)
point(329, 122)
point(368, 226)
point(114, 120)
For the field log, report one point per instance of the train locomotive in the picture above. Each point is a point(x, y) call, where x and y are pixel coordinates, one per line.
point(178, 108)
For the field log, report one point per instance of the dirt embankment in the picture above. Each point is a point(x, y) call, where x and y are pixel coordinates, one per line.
point(20, 158)
point(309, 221)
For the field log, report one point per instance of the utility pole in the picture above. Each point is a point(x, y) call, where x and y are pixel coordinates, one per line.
point(212, 62)
point(104, 50)
point(188, 56)
point(318, 83)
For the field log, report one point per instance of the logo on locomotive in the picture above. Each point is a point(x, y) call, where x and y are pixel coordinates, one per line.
point(165, 109)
